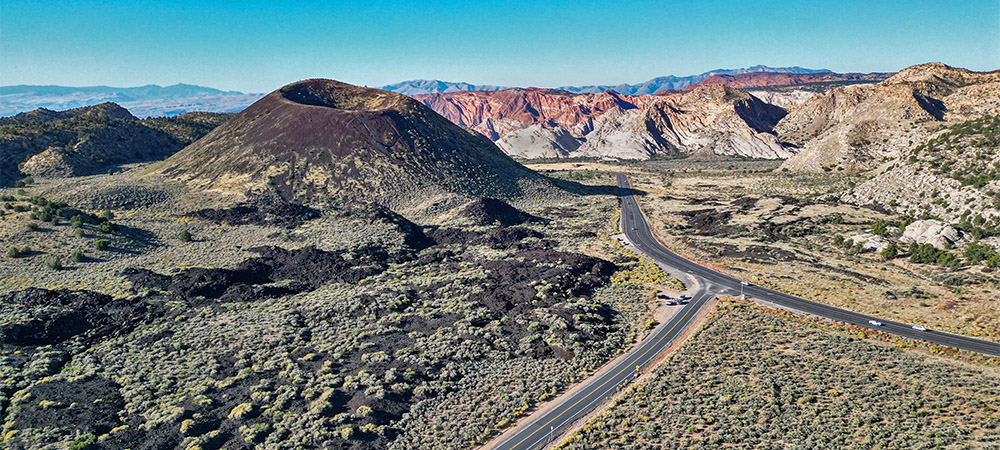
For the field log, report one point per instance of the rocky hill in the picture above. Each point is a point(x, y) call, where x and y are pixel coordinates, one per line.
point(547, 123)
point(954, 176)
point(707, 120)
point(857, 127)
point(495, 114)
point(324, 140)
point(82, 141)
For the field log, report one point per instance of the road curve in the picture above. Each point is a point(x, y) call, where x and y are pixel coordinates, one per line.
point(550, 423)
point(638, 231)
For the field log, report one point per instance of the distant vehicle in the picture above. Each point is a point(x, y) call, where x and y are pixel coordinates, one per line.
point(633, 228)
point(919, 328)
point(670, 302)
point(745, 283)
point(875, 322)
point(683, 298)
point(662, 295)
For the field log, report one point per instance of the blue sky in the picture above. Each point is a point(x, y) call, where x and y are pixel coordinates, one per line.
point(257, 46)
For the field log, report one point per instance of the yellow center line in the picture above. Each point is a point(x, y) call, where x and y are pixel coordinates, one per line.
point(691, 308)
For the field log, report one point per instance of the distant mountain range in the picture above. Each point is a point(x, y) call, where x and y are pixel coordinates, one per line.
point(155, 101)
point(141, 101)
point(417, 87)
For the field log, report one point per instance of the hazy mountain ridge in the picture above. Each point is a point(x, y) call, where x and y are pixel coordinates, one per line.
point(142, 101)
point(419, 87)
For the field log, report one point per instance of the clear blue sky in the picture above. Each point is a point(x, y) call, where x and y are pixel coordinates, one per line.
point(256, 46)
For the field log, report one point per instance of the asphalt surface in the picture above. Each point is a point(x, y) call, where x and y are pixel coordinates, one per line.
point(550, 424)
point(638, 231)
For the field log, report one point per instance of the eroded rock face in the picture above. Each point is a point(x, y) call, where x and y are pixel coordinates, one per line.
point(933, 232)
point(537, 141)
point(856, 127)
point(870, 242)
point(708, 120)
point(496, 114)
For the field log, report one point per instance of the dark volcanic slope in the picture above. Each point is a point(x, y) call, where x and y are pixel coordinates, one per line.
point(323, 139)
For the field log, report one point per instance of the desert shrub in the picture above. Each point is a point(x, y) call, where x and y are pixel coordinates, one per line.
point(53, 262)
point(890, 252)
point(185, 236)
point(78, 256)
point(107, 215)
point(32, 226)
point(108, 227)
point(101, 244)
point(84, 442)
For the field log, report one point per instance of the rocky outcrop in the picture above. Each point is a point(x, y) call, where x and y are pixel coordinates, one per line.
point(786, 99)
point(537, 141)
point(870, 242)
point(933, 232)
point(496, 114)
point(708, 120)
point(857, 127)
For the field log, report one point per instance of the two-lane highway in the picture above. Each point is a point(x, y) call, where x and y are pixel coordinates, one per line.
point(550, 422)
point(638, 231)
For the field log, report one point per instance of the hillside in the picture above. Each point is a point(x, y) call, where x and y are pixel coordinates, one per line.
point(495, 114)
point(322, 140)
point(81, 141)
point(954, 175)
point(711, 120)
point(856, 128)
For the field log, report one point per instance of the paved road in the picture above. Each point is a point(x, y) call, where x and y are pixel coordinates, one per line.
point(541, 429)
point(638, 231)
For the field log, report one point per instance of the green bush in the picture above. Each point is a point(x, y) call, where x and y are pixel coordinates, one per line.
point(108, 215)
point(185, 236)
point(108, 227)
point(53, 262)
point(101, 244)
point(84, 442)
point(78, 256)
point(32, 226)
point(890, 252)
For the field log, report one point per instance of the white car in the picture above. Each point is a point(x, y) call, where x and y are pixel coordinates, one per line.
point(919, 328)
point(875, 322)
point(670, 302)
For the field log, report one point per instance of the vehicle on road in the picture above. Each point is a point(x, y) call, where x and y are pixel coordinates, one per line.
point(875, 322)
point(633, 229)
point(745, 283)
point(919, 328)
